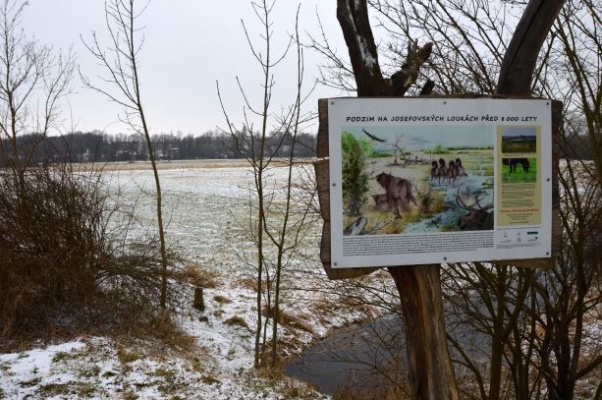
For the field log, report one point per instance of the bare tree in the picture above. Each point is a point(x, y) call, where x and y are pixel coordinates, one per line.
point(535, 318)
point(282, 211)
point(430, 370)
point(567, 296)
point(33, 79)
point(397, 147)
point(458, 47)
point(120, 61)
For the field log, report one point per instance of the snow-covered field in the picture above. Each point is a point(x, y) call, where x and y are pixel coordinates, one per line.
point(206, 210)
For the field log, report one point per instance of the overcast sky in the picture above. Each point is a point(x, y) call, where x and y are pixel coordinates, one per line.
point(189, 45)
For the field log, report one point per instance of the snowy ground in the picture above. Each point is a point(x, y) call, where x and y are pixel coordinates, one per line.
point(206, 210)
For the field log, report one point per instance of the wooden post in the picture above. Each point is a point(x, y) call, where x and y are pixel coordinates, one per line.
point(199, 301)
point(431, 374)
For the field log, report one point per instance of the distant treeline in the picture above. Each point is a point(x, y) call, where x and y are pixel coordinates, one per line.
point(98, 147)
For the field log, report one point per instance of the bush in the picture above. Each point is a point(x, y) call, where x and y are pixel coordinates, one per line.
point(61, 270)
point(355, 178)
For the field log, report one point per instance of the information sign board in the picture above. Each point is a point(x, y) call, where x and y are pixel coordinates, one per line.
point(423, 181)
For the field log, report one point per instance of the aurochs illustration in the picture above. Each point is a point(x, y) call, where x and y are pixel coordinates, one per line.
point(398, 192)
point(380, 202)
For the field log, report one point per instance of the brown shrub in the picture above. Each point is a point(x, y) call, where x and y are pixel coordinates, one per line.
point(62, 270)
point(198, 276)
point(236, 321)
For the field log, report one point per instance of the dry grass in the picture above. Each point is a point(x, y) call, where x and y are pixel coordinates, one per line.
point(221, 299)
point(197, 276)
point(250, 283)
point(292, 321)
point(237, 321)
point(289, 320)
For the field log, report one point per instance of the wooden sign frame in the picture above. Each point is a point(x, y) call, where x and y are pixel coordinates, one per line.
point(323, 180)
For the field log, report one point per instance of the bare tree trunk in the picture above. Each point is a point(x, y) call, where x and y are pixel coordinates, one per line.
point(158, 201)
point(431, 374)
point(517, 69)
point(260, 149)
point(123, 71)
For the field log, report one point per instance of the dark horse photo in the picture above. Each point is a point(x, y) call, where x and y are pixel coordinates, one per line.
point(513, 162)
point(519, 170)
